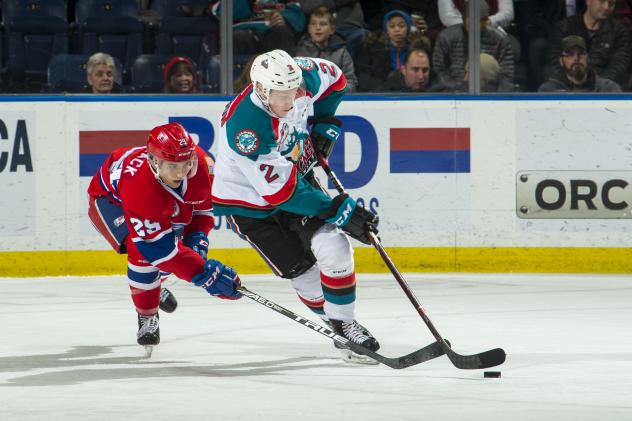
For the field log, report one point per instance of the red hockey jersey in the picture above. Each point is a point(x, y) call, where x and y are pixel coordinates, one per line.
point(157, 215)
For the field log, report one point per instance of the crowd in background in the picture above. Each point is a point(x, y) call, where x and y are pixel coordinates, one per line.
point(381, 46)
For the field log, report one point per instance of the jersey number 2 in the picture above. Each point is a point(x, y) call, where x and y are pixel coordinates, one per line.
point(145, 227)
point(268, 170)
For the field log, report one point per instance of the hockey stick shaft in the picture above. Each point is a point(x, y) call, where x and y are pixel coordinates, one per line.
point(424, 354)
point(486, 359)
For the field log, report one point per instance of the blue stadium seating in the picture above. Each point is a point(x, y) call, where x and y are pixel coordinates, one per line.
point(35, 30)
point(147, 73)
point(67, 73)
point(183, 31)
point(211, 75)
point(110, 26)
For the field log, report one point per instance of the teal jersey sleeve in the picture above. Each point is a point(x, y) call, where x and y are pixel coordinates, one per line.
point(325, 82)
point(306, 200)
point(328, 105)
point(252, 134)
point(249, 131)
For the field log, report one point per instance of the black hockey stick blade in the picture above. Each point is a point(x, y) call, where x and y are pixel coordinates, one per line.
point(426, 353)
point(486, 359)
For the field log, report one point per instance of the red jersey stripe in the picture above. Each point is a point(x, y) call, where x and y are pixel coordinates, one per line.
point(286, 192)
point(338, 85)
point(240, 203)
point(338, 283)
point(235, 103)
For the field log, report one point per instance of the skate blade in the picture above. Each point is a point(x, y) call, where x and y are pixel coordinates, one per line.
point(351, 357)
point(149, 349)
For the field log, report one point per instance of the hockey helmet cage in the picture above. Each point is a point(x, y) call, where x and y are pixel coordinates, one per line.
point(170, 142)
point(275, 69)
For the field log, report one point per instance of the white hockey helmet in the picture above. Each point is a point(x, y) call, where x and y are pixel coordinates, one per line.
point(275, 69)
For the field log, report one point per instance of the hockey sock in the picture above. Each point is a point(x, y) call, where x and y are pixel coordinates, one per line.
point(315, 305)
point(339, 294)
point(146, 301)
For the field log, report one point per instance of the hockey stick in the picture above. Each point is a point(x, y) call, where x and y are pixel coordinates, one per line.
point(426, 353)
point(486, 359)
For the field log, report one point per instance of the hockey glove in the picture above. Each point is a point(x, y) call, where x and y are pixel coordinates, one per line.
point(198, 242)
point(218, 280)
point(355, 220)
point(325, 132)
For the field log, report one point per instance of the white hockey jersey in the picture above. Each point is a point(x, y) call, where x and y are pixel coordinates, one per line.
point(262, 159)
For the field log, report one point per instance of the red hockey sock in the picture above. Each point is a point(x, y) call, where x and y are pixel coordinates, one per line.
point(146, 301)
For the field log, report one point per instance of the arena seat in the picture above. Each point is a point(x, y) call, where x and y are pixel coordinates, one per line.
point(35, 30)
point(110, 26)
point(147, 73)
point(67, 73)
point(185, 29)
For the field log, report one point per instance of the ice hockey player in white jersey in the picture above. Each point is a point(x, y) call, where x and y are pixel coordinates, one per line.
point(265, 186)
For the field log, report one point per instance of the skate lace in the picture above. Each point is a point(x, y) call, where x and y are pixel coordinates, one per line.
point(353, 332)
point(149, 325)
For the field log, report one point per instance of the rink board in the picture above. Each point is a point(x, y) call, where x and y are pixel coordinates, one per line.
point(527, 184)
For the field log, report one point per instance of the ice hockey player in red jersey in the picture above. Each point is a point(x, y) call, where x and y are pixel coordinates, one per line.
point(265, 185)
point(153, 203)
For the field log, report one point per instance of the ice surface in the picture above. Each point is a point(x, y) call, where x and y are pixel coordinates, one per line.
point(68, 352)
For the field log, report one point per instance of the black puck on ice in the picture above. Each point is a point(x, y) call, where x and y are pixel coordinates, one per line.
point(491, 374)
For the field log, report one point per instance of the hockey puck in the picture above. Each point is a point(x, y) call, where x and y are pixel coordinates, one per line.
point(491, 374)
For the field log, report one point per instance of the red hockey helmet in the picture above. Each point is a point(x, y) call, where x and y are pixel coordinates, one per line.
point(170, 142)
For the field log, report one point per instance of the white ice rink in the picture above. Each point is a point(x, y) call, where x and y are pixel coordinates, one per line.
point(68, 352)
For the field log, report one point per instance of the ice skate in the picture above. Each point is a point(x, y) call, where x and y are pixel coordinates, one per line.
point(168, 302)
point(358, 334)
point(148, 332)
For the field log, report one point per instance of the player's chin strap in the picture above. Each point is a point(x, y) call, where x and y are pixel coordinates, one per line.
point(485, 359)
point(153, 166)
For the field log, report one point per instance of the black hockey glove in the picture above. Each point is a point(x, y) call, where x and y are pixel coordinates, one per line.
point(325, 132)
point(357, 221)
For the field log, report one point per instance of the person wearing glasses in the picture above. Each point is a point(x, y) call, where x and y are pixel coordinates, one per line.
point(576, 72)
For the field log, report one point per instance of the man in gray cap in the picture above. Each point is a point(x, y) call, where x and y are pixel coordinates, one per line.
point(577, 75)
point(451, 52)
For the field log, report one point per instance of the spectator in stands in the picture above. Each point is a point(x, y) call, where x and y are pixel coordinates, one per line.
point(623, 12)
point(451, 51)
point(387, 51)
point(180, 76)
point(424, 14)
point(266, 25)
point(451, 12)
point(539, 20)
point(348, 18)
point(489, 73)
point(415, 74)
point(321, 41)
point(101, 72)
point(501, 16)
point(576, 70)
point(607, 39)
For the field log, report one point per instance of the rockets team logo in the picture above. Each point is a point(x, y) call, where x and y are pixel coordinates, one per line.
point(304, 63)
point(246, 141)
